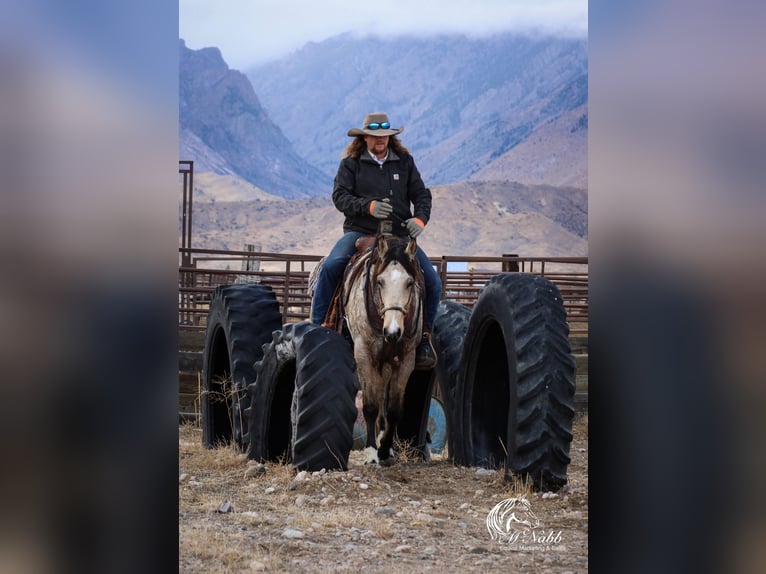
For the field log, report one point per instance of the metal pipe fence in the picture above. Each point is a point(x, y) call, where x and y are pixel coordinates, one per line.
point(201, 270)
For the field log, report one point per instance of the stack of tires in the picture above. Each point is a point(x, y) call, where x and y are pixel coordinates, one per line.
point(281, 393)
point(505, 373)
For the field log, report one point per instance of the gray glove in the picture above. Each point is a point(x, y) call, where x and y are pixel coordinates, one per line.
point(380, 209)
point(414, 227)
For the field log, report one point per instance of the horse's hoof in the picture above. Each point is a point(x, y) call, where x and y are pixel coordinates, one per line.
point(387, 461)
point(370, 455)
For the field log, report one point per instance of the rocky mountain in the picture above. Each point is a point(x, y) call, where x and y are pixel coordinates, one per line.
point(498, 127)
point(554, 154)
point(225, 130)
point(503, 107)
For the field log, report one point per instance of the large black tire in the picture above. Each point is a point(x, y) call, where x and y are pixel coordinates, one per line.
point(449, 330)
point(517, 381)
point(303, 401)
point(241, 319)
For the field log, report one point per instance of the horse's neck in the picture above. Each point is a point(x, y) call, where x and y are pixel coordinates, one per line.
point(355, 273)
point(354, 294)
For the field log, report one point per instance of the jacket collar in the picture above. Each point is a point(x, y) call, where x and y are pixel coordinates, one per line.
point(391, 156)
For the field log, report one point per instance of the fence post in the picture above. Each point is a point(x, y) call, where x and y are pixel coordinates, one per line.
point(287, 291)
point(186, 168)
point(250, 263)
point(510, 266)
point(443, 276)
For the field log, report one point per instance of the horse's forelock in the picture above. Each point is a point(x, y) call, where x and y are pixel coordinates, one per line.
point(397, 251)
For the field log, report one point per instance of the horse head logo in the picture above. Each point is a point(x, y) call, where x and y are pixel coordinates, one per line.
point(510, 516)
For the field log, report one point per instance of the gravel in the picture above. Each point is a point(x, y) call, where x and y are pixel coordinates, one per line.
point(411, 517)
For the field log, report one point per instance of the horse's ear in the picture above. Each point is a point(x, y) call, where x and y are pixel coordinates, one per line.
point(412, 248)
point(382, 245)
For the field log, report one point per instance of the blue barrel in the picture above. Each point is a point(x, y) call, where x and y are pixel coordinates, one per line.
point(360, 431)
point(437, 425)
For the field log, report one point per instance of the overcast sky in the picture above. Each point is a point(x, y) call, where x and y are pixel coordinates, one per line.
point(250, 32)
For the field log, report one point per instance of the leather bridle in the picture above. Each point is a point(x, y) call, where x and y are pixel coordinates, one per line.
point(375, 313)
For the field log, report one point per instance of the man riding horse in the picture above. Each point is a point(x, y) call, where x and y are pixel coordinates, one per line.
point(377, 180)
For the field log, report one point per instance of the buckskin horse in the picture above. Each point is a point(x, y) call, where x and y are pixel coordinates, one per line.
point(382, 304)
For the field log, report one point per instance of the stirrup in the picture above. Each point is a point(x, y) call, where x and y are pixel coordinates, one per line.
point(425, 354)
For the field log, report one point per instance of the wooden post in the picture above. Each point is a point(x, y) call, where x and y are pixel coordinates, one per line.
point(251, 263)
point(510, 266)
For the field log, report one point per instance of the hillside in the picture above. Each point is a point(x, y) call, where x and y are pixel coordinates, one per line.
point(555, 154)
point(465, 103)
point(470, 218)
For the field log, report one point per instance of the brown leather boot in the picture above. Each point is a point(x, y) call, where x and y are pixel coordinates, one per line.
point(425, 355)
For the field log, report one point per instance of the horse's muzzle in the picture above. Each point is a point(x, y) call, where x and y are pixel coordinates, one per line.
point(392, 329)
point(392, 335)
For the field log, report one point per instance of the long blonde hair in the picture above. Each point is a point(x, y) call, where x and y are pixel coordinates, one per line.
point(359, 146)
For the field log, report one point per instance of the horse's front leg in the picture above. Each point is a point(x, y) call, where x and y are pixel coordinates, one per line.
point(371, 406)
point(370, 412)
point(392, 415)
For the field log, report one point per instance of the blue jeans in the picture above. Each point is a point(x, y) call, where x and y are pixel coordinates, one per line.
point(332, 272)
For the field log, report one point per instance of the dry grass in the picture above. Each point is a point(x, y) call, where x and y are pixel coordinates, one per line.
point(406, 453)
point(225, 396)
point(415, 516)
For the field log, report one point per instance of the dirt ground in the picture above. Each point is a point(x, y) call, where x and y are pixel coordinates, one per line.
point(416, 516)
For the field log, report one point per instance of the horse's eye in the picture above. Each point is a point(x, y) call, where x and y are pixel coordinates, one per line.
point(410, 283)
point(380, 282)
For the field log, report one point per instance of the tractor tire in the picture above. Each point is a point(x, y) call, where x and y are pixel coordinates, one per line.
point(303, 401)
point(450, 326)
point(517, 381)
point(241, 319)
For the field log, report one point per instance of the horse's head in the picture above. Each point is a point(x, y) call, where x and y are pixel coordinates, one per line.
point(508, 516)
point(520, 511)
point(395, 284)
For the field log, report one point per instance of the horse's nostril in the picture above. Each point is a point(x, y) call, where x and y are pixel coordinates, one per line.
point(393, 336)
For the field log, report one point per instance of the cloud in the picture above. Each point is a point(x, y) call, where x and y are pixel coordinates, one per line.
point(250, 32)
